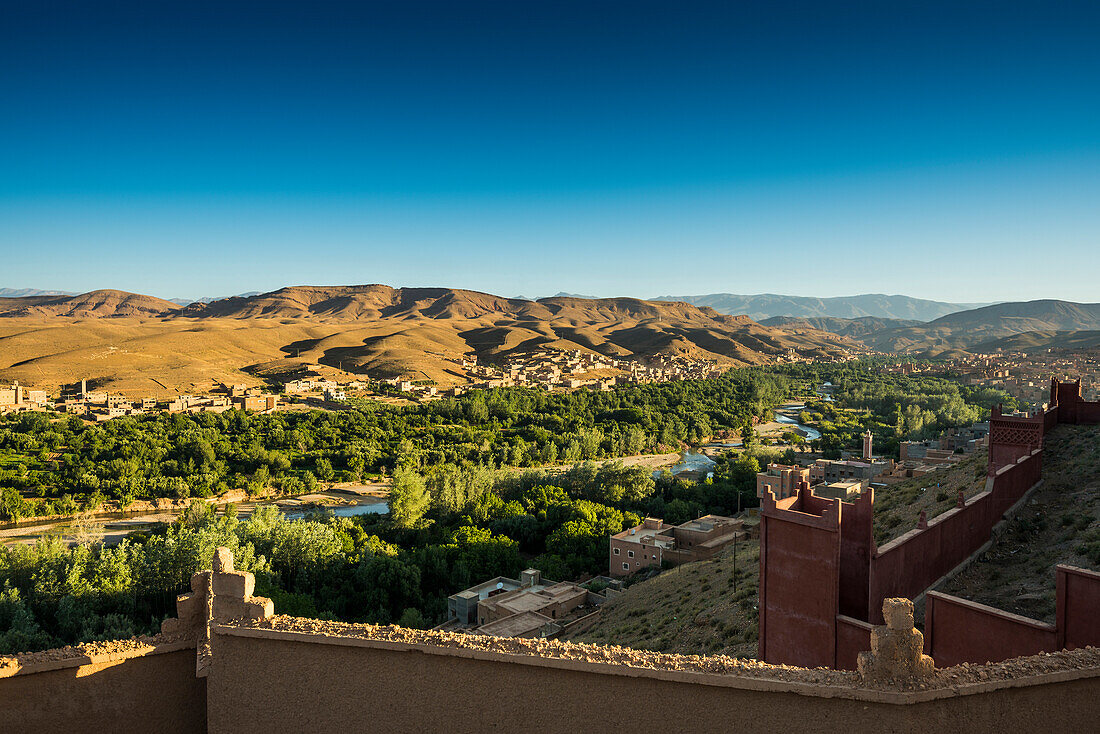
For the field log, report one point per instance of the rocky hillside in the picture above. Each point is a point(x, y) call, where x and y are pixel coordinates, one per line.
point(854, 328)
point(92, 305)
point(968, 329)
point(707, 607)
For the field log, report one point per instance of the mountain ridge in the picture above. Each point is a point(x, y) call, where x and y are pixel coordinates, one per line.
point(877, 305)
point(366, 329)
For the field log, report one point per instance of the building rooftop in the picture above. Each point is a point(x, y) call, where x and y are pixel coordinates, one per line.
point(518, 625)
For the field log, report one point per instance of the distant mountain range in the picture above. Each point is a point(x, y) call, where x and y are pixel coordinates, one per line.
point(209, 299)
point(1025, 325)
point(24, 292)
point(385, 331)
point(989, 325)
point(875, 305)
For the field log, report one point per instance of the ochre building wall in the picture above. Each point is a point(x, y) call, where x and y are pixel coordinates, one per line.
point(156, 692)
point(264, 681)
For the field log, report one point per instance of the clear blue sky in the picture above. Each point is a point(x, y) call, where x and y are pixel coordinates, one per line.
point(947, 151)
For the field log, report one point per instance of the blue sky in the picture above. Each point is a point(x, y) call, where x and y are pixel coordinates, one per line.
point(635, 148)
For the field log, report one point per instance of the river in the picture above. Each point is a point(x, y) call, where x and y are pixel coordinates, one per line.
point(111, 530)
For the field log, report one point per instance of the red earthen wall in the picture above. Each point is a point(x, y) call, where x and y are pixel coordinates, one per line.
point(960, 631)
point(916, 560)
point(856, 544)
point(1078, 607)
point(799, 569)
point(853, 636)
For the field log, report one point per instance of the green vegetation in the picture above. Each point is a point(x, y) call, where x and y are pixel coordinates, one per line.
point(455, 519)
point(51, 466)
point(894, 407)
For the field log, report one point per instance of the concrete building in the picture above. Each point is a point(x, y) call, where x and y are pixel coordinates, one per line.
point(827, 471)
point(463, 605)
point(524, 607)
point(654, 542)
point(781, 479)
point(257, 403)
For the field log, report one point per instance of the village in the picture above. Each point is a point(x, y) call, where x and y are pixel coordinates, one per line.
point(322, 387)
point(1024, 376)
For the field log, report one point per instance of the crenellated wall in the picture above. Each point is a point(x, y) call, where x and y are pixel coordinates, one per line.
point(815, 551)
point(267, 674)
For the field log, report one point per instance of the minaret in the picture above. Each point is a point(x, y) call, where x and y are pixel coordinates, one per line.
point(867, 438)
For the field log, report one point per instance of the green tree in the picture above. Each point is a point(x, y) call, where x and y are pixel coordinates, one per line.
point(409, 499)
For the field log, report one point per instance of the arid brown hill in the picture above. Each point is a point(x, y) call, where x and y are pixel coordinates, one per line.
point(91, 305)
point(369, 329)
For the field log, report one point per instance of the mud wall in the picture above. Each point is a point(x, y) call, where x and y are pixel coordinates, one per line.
point(958, 631)
point(342, 685)
point(799, 588)
point(1078, 607)
point(154, 691)
point(910, 564)
point(853, 636)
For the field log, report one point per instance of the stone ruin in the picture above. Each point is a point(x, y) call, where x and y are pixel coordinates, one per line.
point(897, 648)
point(217, 596)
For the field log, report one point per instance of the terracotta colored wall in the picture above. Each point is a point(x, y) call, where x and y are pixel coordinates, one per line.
point(799, 572)
point(856, 543)
point(1079, 607)
point(959, 631)
point(916, 560)
point(853, 636)
point(1088, 413)
point(153, 693)
point(274, 684)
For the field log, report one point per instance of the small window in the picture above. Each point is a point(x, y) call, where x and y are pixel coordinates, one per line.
point(615, 551)
point(630, 554)
point(626, 566)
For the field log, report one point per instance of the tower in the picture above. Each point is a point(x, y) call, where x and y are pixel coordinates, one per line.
point(867, 440)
